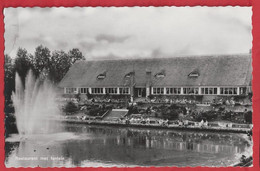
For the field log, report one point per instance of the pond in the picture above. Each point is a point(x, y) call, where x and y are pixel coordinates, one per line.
point(77, 145)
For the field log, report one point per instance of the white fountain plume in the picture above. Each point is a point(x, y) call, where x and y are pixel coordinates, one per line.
point(35, 104)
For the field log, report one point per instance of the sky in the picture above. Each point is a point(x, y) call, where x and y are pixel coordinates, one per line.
point(130, 32)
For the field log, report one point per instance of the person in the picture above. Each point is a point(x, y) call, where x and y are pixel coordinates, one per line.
point(167, 122)
point(227, 102)
point(148, 110)
point(147, 121)
point(206, 123)
point(127, 121)
point(180, 123)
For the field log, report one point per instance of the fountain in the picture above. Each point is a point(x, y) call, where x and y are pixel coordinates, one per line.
point(35, 105)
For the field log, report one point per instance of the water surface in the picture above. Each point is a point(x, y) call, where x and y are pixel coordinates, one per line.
point(94, 146)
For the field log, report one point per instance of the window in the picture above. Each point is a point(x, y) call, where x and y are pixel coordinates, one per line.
point(249, 89)
point(209, 90)
point(202, 90)
point(101, 76)
point(70, 90)
point(215, 91)
point(111, 90)
point(184, 90)
point(83, 90)
point(124, 90)
point(194, 74)
point(228, 90)
point(128, 75)
point(173, 90)
point(169, 90)
point(177, 90)
point(242, 90)
point(191, 90)
point(160, 74)
point(97, 90)
point(206, 90)
point(158, 90)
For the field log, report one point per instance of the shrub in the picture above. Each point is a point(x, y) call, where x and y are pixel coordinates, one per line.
point(226, 115)
point(170, 114)
point(150, 96)
point(89, 96)
point(70, 107)
point(209, 115)
point(248, 117)
point(198, 116)
point(94, 112)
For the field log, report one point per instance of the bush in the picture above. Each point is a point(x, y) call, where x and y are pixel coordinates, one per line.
point(248, 117)
point(209, 115)
point(197, 116)
point(70, 107)
point(225, 115)
point(132, 110)
point(94, 112)
point(77, 96)
point(150, 96)
point(170, 114)
point(89, 96)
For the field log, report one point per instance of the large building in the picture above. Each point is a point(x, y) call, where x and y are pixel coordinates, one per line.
point(212, 76)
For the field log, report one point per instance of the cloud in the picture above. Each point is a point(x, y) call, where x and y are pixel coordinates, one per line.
point(156, 53)
point(111, 38)
point(127, 32)
point(87, 46)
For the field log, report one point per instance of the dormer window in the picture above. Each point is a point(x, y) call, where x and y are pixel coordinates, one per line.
point(101, 76)
point(160, 74)
point(128, 75)
point(194, 74)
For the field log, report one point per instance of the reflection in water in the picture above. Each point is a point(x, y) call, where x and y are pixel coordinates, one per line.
point(112, 146)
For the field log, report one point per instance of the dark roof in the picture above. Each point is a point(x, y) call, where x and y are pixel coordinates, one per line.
point(218, 70)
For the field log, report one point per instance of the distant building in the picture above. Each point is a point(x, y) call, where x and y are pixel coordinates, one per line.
point(205, 76)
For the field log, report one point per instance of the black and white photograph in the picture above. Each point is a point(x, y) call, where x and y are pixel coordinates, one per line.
point(128, 87)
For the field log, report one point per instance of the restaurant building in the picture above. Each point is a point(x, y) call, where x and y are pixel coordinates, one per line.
point(203, 76)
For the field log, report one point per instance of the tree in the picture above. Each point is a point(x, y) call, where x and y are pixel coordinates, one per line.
point(41, 60)
point(75, 55)
point(9, 81)
point(9, 78)
point(23, 63)
point(59, 65)
point(44, 64)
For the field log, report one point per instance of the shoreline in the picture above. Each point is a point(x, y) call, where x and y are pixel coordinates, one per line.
point(173, 127)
